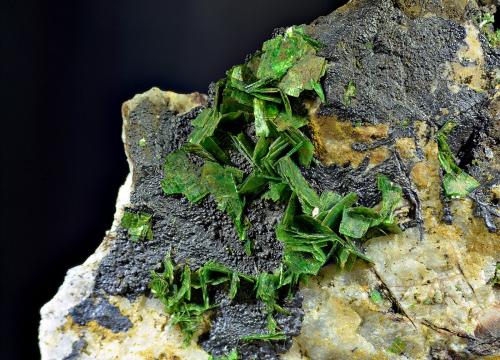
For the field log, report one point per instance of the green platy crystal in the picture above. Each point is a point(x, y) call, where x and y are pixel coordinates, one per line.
point(349, 93)
point(221, 183)
point(376, 297)
point(398, 346)
point(138, 225)
point(456, 182)
point(182, 177)
point(303, 76)
point(357, 220)
point(264, 337)
point(233, 355)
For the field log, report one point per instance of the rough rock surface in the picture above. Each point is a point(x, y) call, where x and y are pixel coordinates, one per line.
point(415, 66)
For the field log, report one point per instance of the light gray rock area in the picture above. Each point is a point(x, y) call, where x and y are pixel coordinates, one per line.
point(432, 291)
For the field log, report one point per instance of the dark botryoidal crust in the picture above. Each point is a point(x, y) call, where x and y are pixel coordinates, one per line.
point(393, 60)
point(242, 317)
point(191, 233)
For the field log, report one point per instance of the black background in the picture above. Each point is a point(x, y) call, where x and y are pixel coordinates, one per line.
point(66, 68)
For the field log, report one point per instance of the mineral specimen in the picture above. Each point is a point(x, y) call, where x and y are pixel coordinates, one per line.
point(404, 123)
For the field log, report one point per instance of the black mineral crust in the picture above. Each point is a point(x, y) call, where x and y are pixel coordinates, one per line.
point(400, 67)
point(191, 233)
point(243, 317)
point(100, 310)
point(398, 63)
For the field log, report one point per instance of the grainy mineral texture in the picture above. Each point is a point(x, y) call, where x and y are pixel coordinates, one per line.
point(431, 291)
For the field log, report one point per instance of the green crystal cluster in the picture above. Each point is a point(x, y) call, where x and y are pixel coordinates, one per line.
point(252, 143)
point(315, 228)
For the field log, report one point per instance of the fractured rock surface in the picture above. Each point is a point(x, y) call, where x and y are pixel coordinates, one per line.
point(415, 66)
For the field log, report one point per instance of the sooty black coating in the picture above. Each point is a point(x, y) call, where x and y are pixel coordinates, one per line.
point(399, 65)
point(240, 318)
point(104, 313)
point(192, 233)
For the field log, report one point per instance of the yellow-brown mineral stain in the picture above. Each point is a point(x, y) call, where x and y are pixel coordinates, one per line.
point(405, 147)
point(92, 327)
point(149, 327)
point(334, 139)
point(469, 69)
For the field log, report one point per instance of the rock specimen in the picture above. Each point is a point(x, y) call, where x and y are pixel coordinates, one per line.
point(397, 73)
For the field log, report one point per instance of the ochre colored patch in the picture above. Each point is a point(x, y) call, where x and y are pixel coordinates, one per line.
point(481, 240)
point(496, 192)
point(150, 328)
point(425, 174)
point(444, 111)
point(405, 147)
point(472, 76)
point(334, 139)
point(419, 175)
point(97, 331)
point(452, 9)
point(421, 129)
point(472, 73)
point(378, 155)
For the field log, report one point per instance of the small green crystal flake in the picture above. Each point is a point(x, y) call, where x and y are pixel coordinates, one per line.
point(138, 225)
point(456, 182)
